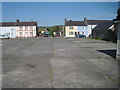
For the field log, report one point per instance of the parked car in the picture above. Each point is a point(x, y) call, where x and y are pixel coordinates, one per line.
point(6, 36)
point(2, 37)
point(46, 34)
point(57, 34)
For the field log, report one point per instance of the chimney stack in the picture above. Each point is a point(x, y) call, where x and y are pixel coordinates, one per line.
point(17, 21)
point(85, 20)
point(65, 20)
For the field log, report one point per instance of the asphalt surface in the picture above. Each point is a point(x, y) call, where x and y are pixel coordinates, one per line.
point(59, 63)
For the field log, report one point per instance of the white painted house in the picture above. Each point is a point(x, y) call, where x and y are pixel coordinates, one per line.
point(9, 31)
point(18, 29)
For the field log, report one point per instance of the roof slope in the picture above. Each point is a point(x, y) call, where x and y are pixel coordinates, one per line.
point(87, 22)
point(104, 26)
point(75, 23)
point(5, 24)
point(96, 22)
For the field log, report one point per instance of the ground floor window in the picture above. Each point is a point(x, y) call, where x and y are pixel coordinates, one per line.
point(26, 34)
point(82, 33)
point(70, 33)
point(31, 34)
point(20, 33)
point(12, 34)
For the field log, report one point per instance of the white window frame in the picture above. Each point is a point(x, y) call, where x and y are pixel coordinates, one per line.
point(31, 34)
point(20, 28)
point(20, 34)
point(26, 27)
point(71, 33)
point(71, 27)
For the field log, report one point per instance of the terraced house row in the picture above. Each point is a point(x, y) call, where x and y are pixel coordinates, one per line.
point(96, 28)
point(18, 29)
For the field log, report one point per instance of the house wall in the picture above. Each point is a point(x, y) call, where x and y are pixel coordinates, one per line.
point(26, 31)
point(8, 30)
point(68, 31)
point(90, 27)
point(101, 34)
point(77, 29)
point(82, 29)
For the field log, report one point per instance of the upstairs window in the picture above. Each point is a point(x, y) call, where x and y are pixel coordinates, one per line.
point(26, 28)
point(71, 27)
point(20, 33)
point(12, 29)
point(31, 34)
point(20, 28)
point(83, 28)
point(31, 28)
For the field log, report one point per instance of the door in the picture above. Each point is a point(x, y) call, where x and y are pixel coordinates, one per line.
point(26, 34)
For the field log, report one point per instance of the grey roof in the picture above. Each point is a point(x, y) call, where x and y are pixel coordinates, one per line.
point(96, 22)
point(88, 22)
point(104, 26)
point(75, 23)
point(5, 24)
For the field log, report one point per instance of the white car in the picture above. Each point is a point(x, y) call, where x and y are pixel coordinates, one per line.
point(4, 37)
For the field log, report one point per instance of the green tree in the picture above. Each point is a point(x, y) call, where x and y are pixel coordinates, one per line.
point(53, 29)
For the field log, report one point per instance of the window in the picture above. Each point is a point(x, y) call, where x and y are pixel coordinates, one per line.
point(31, 28)
point(91, 26)
point(83, 28)
point(12, 29)
point(12, 34)
point(20, 34)
point(71, 27)
point(70, 33)
point(20, 28)
point(82, 33)
point(26, 28)
point(31, 34)
point(26, 34)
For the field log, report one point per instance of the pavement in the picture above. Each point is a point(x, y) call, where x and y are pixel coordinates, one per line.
point(59, 63)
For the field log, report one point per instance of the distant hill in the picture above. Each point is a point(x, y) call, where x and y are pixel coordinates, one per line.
point(49, 27)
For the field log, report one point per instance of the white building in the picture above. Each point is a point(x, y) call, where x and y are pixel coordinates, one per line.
point(10, 31)
point(18, 29)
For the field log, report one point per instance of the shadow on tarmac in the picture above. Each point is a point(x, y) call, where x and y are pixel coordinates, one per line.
point(111, 52)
